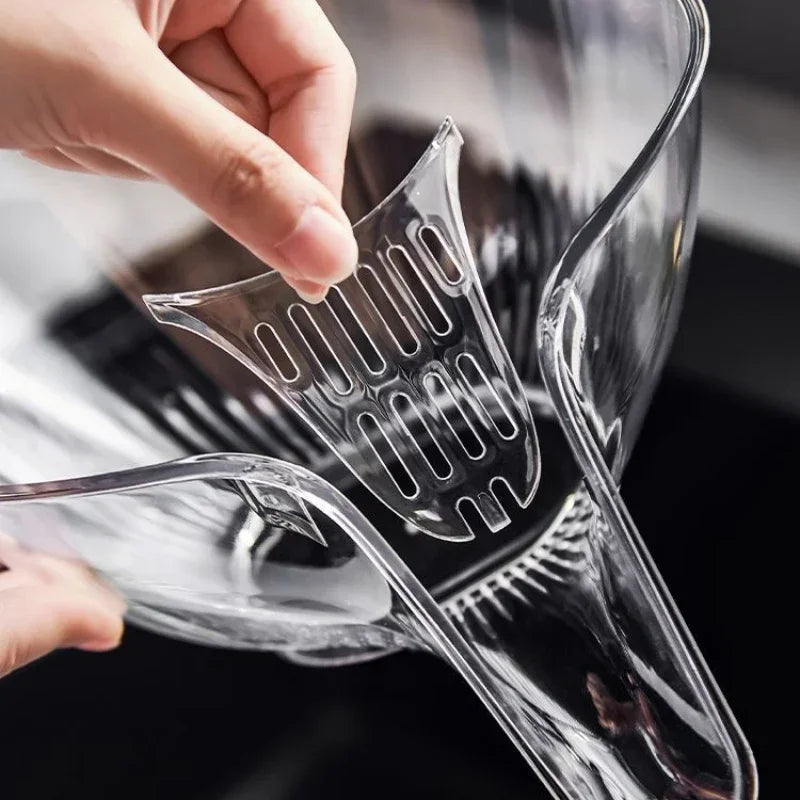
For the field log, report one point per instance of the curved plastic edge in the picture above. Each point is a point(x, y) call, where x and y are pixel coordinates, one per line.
point(437, 630)
point(160, 305)
point(555, 371)
point(444, 151)
point(616, 201)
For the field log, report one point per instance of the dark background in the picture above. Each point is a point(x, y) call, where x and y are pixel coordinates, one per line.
point(756, 40)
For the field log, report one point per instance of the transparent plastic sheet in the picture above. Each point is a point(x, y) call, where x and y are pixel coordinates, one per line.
point(401, 371)
point(619, 709)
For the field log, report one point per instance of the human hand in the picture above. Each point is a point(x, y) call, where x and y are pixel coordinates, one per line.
point(47, 603)
point(241, 105)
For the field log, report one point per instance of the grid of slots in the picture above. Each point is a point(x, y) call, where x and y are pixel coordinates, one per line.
point(347, 342)
point(372, 309)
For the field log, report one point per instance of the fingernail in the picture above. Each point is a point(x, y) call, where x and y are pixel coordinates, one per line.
point(314, 299)
point(310, 291)
point(320, 248)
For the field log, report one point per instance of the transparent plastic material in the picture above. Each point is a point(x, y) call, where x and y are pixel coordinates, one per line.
point(401, 370)
point(223, 550)
point(569, 645)
point(577, 186)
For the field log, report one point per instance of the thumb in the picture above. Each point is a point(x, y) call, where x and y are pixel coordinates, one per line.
point(48, 603)
point(37, 619)
point(159, 120)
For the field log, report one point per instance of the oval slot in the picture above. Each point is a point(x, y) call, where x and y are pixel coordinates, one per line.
point(386, 310)
point(276, 352)
point(471, 517)
point(430, 449)
point(455, 418)
point(352, 327)
point(393, 465)
point(435, 245)
point(503, 493)
point(487, 397)
point(433, 315)
point(320, 350)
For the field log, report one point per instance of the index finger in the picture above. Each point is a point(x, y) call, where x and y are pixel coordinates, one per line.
point(303, 67)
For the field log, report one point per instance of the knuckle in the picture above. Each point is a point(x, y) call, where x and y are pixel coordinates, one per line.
point(347, 69)
point(245, 178)
point(350, 69)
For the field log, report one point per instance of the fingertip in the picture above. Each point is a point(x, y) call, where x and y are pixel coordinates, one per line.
point(312, 299)
point(92, 617)
point(309, 291)
point(320, 249)
point(102, 644)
